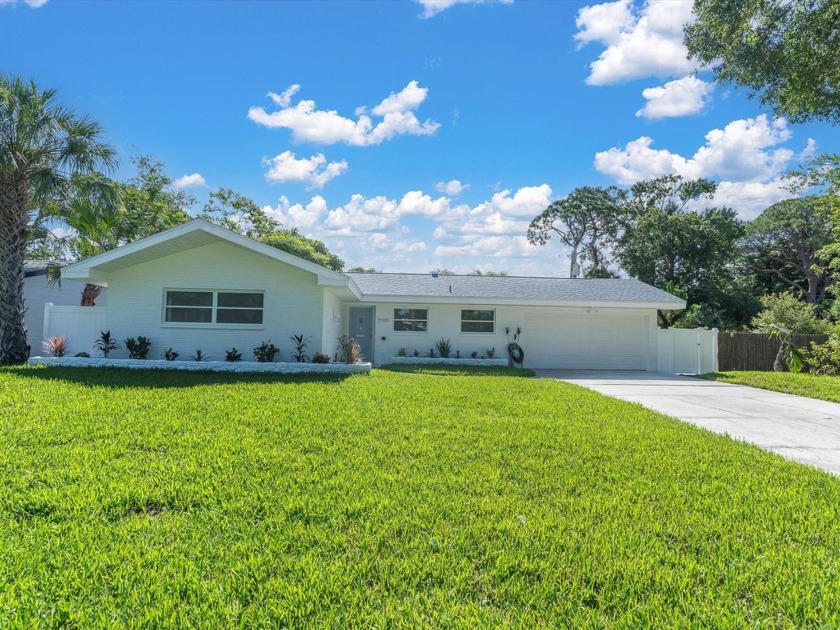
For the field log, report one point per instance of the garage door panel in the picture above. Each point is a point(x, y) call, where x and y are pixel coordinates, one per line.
point(585, 342)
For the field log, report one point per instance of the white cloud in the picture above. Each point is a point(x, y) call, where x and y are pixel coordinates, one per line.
point(452, 188)
point(285, 99)
point(309, 124)
point(682, 97)
point(741, 151)
point(196, 180)
point(314, 171)
point(433, 7)
point(372, 230)
point(33, 4)
point(638, 44)
point(745, 157)
point(604, 22)
point(406, 100)
point(809, 151)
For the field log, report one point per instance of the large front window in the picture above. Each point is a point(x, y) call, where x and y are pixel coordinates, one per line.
point(411, 320)
point(213, 307)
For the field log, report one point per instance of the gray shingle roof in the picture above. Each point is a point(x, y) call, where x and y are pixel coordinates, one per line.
point(511, 288)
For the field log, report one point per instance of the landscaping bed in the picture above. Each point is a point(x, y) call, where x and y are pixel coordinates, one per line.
point(240, 367)
point(466, 361)
point(177, 499)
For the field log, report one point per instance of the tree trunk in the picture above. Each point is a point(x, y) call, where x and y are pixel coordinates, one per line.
point(779, 361)
point(90, 293)
point(14, 217)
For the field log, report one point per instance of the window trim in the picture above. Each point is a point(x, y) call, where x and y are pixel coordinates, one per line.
point(214, 309)
point(482, 321)
point(410, 332)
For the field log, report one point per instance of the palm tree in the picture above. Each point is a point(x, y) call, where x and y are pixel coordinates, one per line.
point(42, 146)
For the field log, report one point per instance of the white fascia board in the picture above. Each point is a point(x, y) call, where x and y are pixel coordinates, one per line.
point(424, 299)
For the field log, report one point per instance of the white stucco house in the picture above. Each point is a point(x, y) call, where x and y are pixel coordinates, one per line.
point(199, 286)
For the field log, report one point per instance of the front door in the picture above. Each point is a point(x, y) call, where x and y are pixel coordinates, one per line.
point(361, 329)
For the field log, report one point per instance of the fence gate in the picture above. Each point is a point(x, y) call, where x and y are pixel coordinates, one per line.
point(688, 350)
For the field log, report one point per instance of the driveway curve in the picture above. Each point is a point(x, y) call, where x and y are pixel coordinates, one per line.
point(801, 429)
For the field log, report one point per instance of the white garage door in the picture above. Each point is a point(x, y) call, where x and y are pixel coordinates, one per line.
point(590, 342)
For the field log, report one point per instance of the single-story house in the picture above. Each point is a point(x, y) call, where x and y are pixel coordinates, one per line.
point(200, 286)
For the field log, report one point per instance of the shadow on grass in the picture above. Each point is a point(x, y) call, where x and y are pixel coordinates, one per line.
point(456, 370)
point(161, 379)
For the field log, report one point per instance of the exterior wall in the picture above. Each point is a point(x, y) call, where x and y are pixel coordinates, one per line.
point(80, 325)
point(333, 323)
point(37, 292)
point(572, 346)
point(293, 303)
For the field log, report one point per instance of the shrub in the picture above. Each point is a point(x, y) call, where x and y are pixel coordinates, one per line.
point(824, 358)
point(82, 355)
point(515, 352)
point(351, 351)
point(170, 355)
point(444, 347)
point(199, 356)
point(55, 346)
point(320, 357)
point(416, 353)
point(402, 352)
point(138, 348)
point(266, 351)
point(300, 346)
point(106, 343)
point(474, 354)
point(491, 352)
point(233, 355)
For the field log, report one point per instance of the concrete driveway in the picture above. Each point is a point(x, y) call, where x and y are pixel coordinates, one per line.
point(801, 429)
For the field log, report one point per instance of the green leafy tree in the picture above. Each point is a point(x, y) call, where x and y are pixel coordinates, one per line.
point(586, 221)
point(295, 243)
point(783, 51)
point(782, 316)
point(665, 241)
point(43, 145)
point(362, 270)
point(148, 202)
point(479, 272)
point(237, 212)
point(785, 243)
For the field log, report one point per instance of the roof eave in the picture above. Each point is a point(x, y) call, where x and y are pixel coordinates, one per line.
point(454, 299)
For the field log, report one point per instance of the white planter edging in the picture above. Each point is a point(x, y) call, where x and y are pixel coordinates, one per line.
point(439, 361)
point(206, 366)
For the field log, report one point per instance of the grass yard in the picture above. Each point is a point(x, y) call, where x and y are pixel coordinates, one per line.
point(802, 384)
point(156, 499)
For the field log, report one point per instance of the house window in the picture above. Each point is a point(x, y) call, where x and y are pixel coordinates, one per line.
point(478, 321)
point(411, 320)
point(213, 307)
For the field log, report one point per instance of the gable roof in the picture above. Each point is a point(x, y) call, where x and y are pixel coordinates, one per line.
point(390, 287)
point(192, 234)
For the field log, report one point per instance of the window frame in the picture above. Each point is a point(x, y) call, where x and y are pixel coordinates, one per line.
point(410, 332)
point(214, 309)
point(477, 321)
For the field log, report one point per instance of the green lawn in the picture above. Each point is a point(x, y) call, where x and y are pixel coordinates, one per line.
point(158, 499)
point(802, 384)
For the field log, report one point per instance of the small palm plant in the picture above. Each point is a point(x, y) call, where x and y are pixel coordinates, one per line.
point(444, 347)
point(106, 343)
point(351, 351)
point(55, 346)
point(300, 347)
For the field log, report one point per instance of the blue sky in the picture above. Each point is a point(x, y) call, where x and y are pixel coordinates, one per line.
point(408, 135)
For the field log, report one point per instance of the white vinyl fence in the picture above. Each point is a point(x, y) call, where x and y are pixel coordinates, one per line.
point(81, 326)
point(688, 350)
